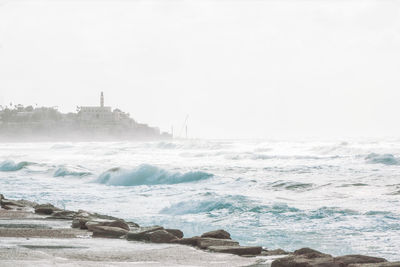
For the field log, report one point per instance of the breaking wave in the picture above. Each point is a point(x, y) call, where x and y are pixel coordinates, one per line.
point(62, 171)
point(148, 175)
point(228, 204)
point(387, 159)
point(10, 166)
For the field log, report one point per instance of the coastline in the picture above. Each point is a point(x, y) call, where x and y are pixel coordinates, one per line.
point(48, 236)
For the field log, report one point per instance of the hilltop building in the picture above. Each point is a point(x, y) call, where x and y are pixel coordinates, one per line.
point(90, 122)
point(101, 114)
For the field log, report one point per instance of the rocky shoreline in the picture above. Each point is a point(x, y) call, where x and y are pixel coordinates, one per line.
point(216, 248)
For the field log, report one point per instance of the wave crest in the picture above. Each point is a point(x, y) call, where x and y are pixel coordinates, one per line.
point(148, 175)
point(386, 159)
point(62, 171)
point(10, 166)
point(227, 204)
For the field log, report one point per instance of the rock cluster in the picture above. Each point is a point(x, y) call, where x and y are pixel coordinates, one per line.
point(307, 257)
point(217, 241)
point(9, 204)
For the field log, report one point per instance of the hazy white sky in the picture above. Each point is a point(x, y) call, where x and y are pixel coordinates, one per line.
point(239, 69)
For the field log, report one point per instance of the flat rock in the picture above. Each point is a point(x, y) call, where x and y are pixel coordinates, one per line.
point(108, 231)
point(115, 223)
point(133, 225)
point(16, 214)
point(237, 250)
point(220, 234)
point(176, 232)
point(80, 222)
point(24, 225)
point(302, 261)
point(381, 264)
point(208, 242)
point(40, 233)
point(191, 241)
point(139, 233)
point(63, 215)
point(310, 253)
point(274, 252)
point(351, 259)
point(8, 202)
point(45, 209)
point(104, 217)
point(307, 257)
point(159, 236)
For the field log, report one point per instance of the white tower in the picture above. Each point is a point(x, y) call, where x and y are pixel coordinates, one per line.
point(101, 100)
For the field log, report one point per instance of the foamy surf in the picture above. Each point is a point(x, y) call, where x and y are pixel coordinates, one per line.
point(332, 196)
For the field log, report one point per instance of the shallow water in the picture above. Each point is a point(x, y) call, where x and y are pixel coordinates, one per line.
point(338, 197)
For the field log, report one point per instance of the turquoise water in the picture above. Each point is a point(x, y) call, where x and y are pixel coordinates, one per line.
point(339, 197)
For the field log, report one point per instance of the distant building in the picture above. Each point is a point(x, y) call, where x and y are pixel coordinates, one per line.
point(103, 115)
point(90, 122)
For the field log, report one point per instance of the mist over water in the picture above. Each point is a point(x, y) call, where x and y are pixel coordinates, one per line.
point(337, 197)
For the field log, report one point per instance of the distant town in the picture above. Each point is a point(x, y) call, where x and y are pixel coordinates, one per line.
point(89, 123)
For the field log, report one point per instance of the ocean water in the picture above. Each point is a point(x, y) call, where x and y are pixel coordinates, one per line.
point(340, 197)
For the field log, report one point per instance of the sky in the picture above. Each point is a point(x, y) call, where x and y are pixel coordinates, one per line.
point(237, 69)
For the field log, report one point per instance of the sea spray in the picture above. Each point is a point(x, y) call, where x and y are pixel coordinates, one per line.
point(147, 174)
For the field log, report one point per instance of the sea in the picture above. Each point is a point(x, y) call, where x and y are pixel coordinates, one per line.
point(339, 197)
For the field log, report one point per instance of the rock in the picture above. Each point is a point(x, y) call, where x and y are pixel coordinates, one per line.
point(76, 223)
point(155, 234)
point(46, 209)
point(220, 234)
point(310, 253)
point(302, 261)
point(382, 264)
point(191, 241)
point(8, 202)
point(159, 236)
point(26, 203)
point(204, 242)
point(307, 257)
point(103, 217)
point(81, 222)
point(351, 259)
point(132, 224)
point(1, 197)
point(83, 213)
point(116, 223)
point(63, 215)
point(17, 204)
point(274, 252)
point(6, 207)
point(208, 242)
point(237, 250)
point(139, 234)
point(108, 231)
point(176, 232)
